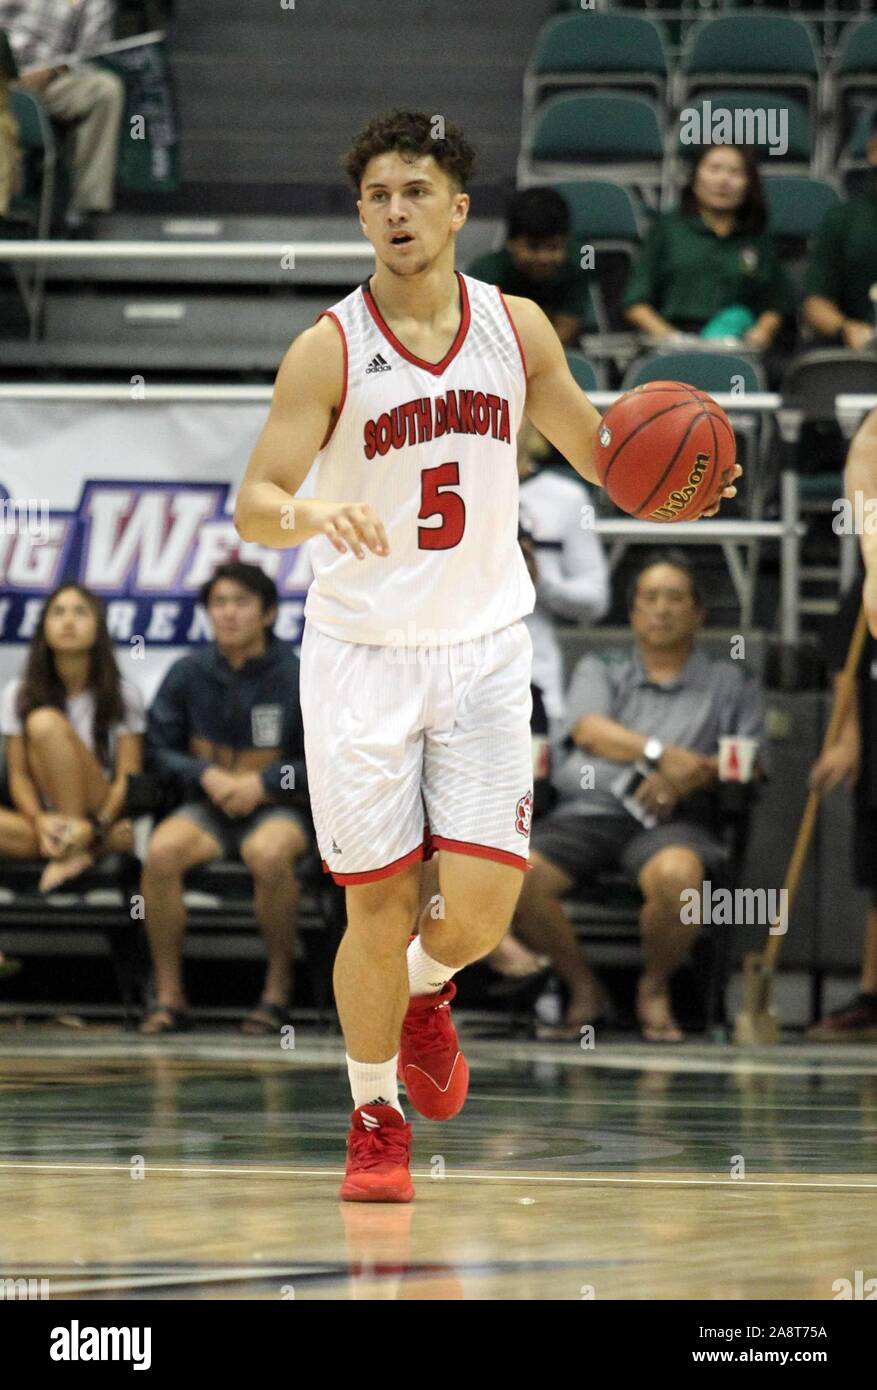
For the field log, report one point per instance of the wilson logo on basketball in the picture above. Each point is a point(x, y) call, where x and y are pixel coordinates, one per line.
point(524, 814)
point(682, 496)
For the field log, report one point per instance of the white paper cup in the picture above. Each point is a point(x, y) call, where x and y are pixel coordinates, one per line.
point(737, 757)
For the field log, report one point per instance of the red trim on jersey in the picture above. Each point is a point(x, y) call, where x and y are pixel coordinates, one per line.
point(516, 333)
point(327, 314)
point(501, 856)
point(370, 875)
point(435, 367)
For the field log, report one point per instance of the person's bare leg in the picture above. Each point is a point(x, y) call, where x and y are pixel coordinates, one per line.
point(477, 900)
point(66, 772)
point(371, 971)
point(71, 780)
point(868, 983)
point(542, 924)
point(270, 853)
point(18, 838)
point(666, 939)
point(176, 845)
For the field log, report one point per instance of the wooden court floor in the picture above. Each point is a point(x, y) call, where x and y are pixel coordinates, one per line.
point(207, 1168)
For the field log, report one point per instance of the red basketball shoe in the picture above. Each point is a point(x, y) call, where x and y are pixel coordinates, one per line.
point(431, 1064)
point(378, 1154)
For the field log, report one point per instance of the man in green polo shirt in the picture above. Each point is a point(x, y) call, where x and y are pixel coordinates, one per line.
point(843, 266)
point(540, 262)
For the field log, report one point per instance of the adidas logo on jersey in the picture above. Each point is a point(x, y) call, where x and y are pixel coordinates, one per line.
point(378, 364)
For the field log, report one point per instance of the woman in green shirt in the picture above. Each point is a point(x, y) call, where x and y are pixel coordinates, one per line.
point(713, 254)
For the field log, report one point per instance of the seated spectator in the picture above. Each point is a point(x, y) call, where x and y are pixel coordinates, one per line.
point(226, 726)
point(663, 707)
point(73, 730)
point(88, 98)
point(843, 267)
point(710, 268)
point(567, 565)
point(10, 151)
point(540, 262)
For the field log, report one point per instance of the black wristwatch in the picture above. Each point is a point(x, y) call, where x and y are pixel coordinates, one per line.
point(653, 752)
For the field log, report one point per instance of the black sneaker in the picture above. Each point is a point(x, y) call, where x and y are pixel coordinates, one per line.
point(853, 1022)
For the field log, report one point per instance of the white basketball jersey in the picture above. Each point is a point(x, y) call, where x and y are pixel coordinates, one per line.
point(432, 448)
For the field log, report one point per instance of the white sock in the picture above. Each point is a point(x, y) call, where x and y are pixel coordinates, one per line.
point(374, 1083)
point(425, 975)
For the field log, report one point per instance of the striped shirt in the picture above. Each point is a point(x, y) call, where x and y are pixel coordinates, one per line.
point(42, 31)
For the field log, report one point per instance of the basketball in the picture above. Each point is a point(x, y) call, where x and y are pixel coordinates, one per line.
point(664, 451)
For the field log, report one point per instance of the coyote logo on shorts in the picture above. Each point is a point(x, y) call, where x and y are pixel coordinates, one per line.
point(524, 814)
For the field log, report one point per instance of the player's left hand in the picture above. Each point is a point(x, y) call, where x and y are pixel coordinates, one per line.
point(727, 491)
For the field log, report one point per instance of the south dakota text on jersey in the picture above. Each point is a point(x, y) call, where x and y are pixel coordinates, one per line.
point(456, 412)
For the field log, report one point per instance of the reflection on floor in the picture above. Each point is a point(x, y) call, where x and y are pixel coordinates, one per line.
point(208, 1167)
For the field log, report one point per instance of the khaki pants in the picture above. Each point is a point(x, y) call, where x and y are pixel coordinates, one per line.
point(94, 99)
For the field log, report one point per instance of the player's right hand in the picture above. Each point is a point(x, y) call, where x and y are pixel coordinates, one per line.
point(354, 526)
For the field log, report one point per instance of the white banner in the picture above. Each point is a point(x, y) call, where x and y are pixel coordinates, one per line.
point(135, 500)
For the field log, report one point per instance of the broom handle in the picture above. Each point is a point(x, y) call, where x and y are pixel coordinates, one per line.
point(805, 832)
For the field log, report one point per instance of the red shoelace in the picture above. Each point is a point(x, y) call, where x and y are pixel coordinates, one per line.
point(432, 1030)
point(372, 1148)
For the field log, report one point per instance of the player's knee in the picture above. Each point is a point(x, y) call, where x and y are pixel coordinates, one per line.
point(392, 901)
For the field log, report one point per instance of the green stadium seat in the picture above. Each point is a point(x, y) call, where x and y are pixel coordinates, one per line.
point(598, 48)
point(602, 212)
point(583, 372)
point(34, 203)
point(773, 52)
point(797, 204)
point(605, 217)
point(852, 162)
point(711, 371)
point(853, 74)
point(618, 134)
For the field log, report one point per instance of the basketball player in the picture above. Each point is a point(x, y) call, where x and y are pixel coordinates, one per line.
point(415, 662)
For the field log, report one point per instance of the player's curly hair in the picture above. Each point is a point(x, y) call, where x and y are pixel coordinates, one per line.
point(414, 133)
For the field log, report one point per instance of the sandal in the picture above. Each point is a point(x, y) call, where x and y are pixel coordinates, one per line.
point(266, 1018)
point(164, 1019)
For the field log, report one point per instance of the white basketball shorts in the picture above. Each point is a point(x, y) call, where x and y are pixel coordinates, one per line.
point(412, 750)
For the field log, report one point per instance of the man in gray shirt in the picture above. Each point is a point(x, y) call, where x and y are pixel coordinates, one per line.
point(664, 707)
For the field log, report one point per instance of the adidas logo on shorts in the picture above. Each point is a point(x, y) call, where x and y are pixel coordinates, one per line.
point(378, 364)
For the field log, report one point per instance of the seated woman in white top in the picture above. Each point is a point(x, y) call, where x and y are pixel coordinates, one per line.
point(73, 730)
